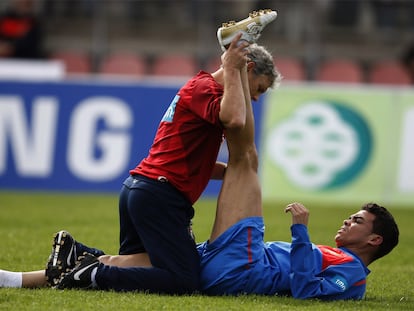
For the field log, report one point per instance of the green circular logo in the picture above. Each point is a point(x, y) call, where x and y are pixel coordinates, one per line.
point(322, 145)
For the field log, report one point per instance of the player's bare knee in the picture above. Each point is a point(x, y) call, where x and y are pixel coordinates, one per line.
point(253, 158)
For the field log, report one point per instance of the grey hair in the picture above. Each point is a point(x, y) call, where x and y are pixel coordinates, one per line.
point(264, 63)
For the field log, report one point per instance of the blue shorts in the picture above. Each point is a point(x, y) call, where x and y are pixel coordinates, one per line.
point(238, 261)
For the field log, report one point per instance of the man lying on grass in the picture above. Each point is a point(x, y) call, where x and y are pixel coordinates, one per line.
point(236, 260)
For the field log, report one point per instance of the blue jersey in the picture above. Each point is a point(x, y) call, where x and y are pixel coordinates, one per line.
point(240, 262)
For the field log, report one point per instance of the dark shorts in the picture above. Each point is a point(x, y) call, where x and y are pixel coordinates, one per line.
point(155, 218)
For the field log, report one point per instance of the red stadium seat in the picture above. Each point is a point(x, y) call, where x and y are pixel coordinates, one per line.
point(124, 64)
point(174, 65)
point(290, 68)
point(340, 70)
point(388, 72)
point(75, 62)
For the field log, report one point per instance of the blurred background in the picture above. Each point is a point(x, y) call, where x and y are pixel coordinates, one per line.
point(90, 36)
point(116, 64)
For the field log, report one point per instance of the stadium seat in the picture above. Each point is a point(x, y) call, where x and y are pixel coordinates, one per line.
point(290, 68)
point(340, 70)
point(388, 72)
point(174, 65)
point(75, 62)
point(121, 63)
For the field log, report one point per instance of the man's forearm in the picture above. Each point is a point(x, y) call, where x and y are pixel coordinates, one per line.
point(233, 109)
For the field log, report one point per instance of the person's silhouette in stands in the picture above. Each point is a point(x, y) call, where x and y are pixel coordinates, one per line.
point(20, 31)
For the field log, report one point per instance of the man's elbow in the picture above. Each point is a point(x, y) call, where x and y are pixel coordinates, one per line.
point(234, 123)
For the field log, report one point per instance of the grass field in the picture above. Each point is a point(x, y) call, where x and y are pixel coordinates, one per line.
point(28, 221)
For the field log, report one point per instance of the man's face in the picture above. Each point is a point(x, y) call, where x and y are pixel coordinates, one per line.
point(258, 84)
point(356, 230)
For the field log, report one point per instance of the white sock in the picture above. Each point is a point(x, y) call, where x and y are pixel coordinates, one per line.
point(11, 279)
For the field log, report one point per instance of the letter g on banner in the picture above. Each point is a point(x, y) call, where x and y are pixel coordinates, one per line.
point(99, 140)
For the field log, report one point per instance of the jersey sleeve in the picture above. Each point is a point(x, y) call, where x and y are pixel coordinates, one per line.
point(307, 278)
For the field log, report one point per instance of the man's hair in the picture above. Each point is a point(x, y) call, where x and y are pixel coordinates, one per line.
point(385, 226)
point(264, 63)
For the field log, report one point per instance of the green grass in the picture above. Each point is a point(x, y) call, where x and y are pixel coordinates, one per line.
point(28, 221)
